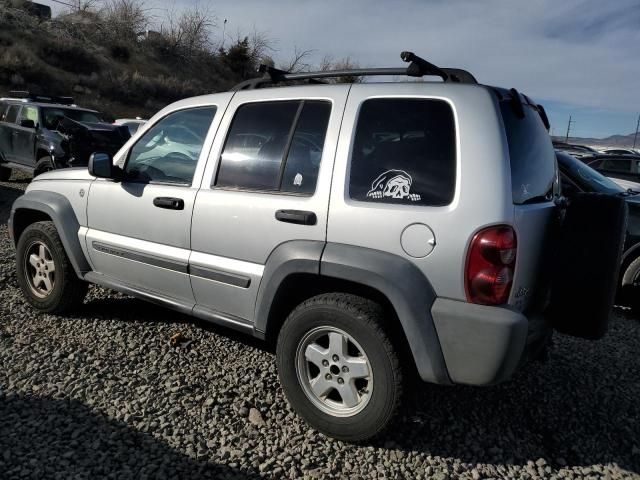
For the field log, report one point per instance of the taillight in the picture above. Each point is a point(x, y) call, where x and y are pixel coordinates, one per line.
point(490, 265)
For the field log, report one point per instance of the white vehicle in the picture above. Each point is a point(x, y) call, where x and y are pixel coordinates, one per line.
point(133, 124)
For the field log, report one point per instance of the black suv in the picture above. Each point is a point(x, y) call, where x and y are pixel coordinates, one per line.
point(39, 133)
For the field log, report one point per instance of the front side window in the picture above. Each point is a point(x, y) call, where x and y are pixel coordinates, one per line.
point(404, 152)
point(275, 146)
point(12, 114)
point(169, 151)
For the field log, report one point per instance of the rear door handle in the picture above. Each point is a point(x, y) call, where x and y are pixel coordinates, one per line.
point(301, 217)
point(169, 203)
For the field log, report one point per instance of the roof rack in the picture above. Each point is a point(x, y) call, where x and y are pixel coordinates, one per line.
point(418, 67)
point(36, 97)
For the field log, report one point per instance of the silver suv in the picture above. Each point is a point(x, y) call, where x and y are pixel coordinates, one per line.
point(372, 230)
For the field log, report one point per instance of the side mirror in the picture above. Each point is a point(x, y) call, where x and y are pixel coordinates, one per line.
point(27, 123)
point(101, 165)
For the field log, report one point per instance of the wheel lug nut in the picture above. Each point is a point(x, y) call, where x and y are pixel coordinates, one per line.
point(325, 363)
point(335, 358)
point(345, 369)
point(340, 381)
point(328, 376)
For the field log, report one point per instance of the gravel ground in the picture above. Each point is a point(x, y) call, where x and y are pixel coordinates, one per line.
point(101, 393)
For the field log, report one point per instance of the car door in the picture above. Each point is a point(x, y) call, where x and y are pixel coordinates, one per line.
point(8, 132)
point(139, 227)
point(25, 136)
point(273, 154)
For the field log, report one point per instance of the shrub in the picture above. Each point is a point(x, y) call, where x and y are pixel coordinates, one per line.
point(69, 55)
point(120, 52)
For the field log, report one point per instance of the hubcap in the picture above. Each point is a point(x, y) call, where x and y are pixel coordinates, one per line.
point(40, 270)
point(334, 371)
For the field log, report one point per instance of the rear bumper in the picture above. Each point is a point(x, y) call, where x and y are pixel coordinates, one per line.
point(484, 345)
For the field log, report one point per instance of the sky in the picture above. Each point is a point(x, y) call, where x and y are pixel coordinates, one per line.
point(576, 57)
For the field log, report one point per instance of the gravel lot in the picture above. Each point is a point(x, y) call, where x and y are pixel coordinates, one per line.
point(103, 394)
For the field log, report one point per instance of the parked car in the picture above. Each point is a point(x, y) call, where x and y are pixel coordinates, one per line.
point(133, 124)
point(621, 151)
point(40, 133)
point(576, 177)
point(575, 150)
point(623, 167)
point(370, 230)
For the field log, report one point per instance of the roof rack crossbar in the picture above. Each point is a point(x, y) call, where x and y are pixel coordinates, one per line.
point(37, 97)
point(418, 67)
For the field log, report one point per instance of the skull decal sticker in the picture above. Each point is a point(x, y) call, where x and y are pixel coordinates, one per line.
point(393, 184)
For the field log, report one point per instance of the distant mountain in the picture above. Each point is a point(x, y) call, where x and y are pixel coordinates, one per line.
point(625, 141)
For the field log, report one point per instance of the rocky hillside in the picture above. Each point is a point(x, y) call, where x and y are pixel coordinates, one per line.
point(102, 60)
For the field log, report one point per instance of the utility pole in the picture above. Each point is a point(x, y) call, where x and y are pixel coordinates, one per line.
point(635, 137)
point(568, 129)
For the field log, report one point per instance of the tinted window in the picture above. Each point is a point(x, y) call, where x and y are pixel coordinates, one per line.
point(303, 161)
point(533, 161)
point(585, 177)
point(616, 165)
point(404, 152)
point(168, 152)
point(12, 114)
point(262, 154)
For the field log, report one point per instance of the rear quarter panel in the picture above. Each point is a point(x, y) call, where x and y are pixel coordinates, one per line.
point(482, 193)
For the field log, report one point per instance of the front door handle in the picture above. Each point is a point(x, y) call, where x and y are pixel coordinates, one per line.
point(169, 203)
point(301, 217)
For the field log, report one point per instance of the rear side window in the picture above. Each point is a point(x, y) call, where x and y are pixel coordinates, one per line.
point(533, 160)
point(275, 146)
point(12, 114)
point(404, 152)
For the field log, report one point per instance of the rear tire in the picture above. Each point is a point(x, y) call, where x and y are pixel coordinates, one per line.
point(44, 272)
point(338, 367)
point(44, 164)
point(5, 174)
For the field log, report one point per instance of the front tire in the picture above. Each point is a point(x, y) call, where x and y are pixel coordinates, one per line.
point(44, 271)
point(338, 367)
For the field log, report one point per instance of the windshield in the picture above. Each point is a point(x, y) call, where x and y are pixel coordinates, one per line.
point(586, 177)
point(52, 115)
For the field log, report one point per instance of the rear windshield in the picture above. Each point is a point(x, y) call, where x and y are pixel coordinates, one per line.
point(533, 160)
point(52, 115)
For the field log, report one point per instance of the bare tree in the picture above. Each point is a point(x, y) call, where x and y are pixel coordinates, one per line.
point(83, 5)
point(260, 47)
point(190, 32)
point(126, 18)
point(298, 61)
point(346, 63)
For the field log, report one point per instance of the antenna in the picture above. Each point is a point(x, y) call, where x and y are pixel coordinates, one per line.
point(635, 137)
point(569, 128)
